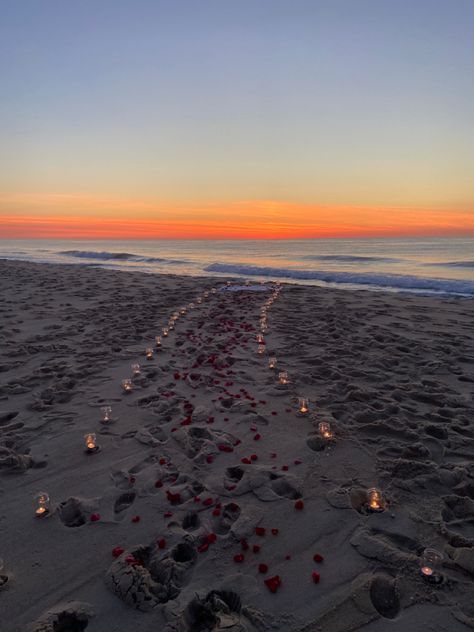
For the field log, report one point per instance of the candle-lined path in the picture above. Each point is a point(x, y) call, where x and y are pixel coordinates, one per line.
point(218, 503)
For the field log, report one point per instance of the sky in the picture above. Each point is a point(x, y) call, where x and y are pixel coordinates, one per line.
point(236, 118)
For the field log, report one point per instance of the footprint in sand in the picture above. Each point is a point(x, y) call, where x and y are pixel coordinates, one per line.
point(124, 501)
point(68, 617)
point(145, 577)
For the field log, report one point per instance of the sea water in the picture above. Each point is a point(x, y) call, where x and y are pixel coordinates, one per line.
point(435, 266)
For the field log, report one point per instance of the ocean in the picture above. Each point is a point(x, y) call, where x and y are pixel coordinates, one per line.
point(428, 266)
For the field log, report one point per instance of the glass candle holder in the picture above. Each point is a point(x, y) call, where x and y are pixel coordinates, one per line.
point(214, 290)
point(206, 294)
point(324, 429)
point(430, 561)
point(171, 325)
point(41, 504)
point(91, 442)
point(164, 332)
point(158, 341)
point(106, 413)
point(283, 377)
point(303, 405)
point(135, 368)
point(199, 300)
point(261, 349)
point(260, 339)
point(191, 306)
point(272, 362)
point(127, 385)
point(149, 353)
point(375, 500)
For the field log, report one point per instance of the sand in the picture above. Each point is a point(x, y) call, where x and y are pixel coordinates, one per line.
point(208, 481)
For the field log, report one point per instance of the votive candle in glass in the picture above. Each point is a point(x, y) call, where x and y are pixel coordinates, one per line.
point(42, 504)
point(164, 332)
point(272, 362)
point(261, 349)
point(375, 499)
point(106, 413)
point(283, 377)
point(158, 341)
point(127, 385)
point(135, 368)
point(91, 442)
point(303, 405)
point(324, 428)
point(429, 562)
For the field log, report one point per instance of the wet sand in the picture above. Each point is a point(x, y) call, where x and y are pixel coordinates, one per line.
point(209, 485)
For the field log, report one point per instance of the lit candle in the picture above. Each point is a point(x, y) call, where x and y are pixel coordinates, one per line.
point(149, 353)
point(375, 499)
point(199, 300)
point(165, 331)
point(303, 405)
point(91, 443)
point(183, 311)
point(42, 504)
point(213, 291)
point(135, 368)
point(106, 413)
point(325, 431)
point(158, 341)
point(260, 339)
point(272, 362)
point(206, 294)
point(261, 349)
point(127, 385)
point(429, 562)
point(283, 377)
point(170, 324)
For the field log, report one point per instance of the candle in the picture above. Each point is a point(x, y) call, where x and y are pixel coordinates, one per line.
point(106, 413)
point(127, 385)
point(199, 300)
point(213, 291)
point(303, 405)
point(91, 443)
point(283, 377)
point(272, 362)
point(183, 311)
point(149, 353)
point(135, 368)
point(260, 339)
point(375, 499)
point(158, 341)
point(206, 294)
point(325, 431)
point(170, 324)
point(429, 562)
point(165, 331)
point(261, 349)
point(42, 504)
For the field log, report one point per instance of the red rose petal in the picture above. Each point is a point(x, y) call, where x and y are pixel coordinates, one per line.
point(257, 437)
point(262, 568)
point(256, 548)
point(216, 512)
point(161, 543)
point(239, 558)
point(95, 517)
point(253, 457)
point(209, 458)
point(318, 558)
point(207, 502)
point(203, 547)
point(316, 577)
point(244, 544)
point(273, 583)
point(260, 531)
point(211, 538)
point(117, 551)
point(275, 531)
point(136, 519)
point(299, 504)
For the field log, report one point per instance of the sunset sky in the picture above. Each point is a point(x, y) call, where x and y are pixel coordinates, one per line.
point(236, 118)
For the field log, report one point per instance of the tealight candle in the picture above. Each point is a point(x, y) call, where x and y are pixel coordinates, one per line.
point(42, 504)
point(158, 341)
point(325, 431)
point(272, 362)
point(261, 349)
point(375, 499)
point(91, 443)
point(149, 353)
point(135, 368)
point(429, 562)
point(303, 405)
point(106, 413)
point(165, 331)
point(127, 385)
point(283, 377)
point(260, 339)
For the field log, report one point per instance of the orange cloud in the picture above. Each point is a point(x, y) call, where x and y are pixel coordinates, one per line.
point(68, 216)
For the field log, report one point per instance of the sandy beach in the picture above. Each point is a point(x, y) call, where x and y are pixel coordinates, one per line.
point(212, 503)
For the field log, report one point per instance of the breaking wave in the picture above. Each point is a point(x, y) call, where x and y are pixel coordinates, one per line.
point(393, 281)
point(117, 256)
